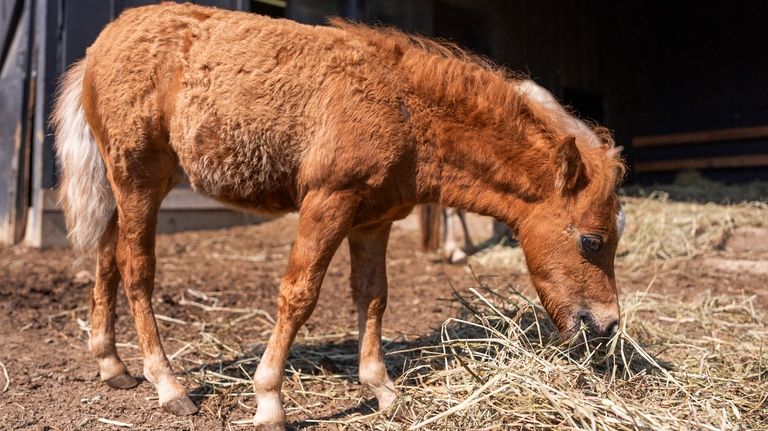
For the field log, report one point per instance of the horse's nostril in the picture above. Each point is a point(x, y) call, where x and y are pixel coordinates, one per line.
point(612, 328)
point(584, 318)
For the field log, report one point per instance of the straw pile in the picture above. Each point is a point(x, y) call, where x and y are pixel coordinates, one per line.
point(691, 186)
point(660, 230)
point(500, 368)
point(680, 365)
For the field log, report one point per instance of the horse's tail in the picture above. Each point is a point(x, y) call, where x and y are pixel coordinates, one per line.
point(430, 220)
point(84, 192)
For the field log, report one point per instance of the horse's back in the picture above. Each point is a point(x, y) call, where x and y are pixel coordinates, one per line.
point(252, 99)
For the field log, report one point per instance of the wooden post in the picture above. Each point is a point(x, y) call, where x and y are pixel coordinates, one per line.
point(15, 105)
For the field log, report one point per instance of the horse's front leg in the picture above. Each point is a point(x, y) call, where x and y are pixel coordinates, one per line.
point(324, 220)
point(469, 246)
point(368, 251)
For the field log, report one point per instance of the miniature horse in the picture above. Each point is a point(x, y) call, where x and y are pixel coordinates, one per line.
point(348, 125)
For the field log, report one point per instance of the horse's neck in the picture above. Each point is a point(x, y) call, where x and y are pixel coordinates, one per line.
point(480, 141)
point(482, 170)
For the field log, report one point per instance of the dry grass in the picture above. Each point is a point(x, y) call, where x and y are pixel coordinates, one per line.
point(499, 368)
point(680, 365)
point(691, 186)
point(659, 230)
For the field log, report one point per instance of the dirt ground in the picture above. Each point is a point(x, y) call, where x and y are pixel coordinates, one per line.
point(215, 297)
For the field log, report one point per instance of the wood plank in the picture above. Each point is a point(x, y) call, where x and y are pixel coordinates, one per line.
point(744, 161)
point(177, 199)
point(53, 233)
point(182, 199)
point(10, 15)
point(46, 62)
point(183, 209)
point(707, 136)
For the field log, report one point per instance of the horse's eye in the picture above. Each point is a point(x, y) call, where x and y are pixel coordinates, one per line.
point(591, 243)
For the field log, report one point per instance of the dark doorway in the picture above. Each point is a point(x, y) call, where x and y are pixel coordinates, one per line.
point(464, 26)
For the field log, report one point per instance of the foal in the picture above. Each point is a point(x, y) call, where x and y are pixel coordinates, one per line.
point(348, 125)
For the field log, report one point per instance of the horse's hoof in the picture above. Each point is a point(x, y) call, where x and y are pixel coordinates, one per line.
point(385, 401)
point(396, 413)
point(122, 381)
point(458, 256)
point(180, 407)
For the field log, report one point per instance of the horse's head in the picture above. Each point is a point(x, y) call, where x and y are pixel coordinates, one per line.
point(570, 239)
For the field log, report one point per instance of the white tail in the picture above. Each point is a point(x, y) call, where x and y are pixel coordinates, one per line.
point(84, 191)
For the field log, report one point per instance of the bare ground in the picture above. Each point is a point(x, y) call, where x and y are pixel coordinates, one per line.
point(215, 297)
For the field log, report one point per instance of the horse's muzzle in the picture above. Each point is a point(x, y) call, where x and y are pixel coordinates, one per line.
point(596, 329)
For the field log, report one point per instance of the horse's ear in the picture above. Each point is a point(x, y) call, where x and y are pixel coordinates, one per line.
point(569, 165)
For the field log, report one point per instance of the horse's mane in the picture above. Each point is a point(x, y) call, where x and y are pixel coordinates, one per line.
point(451, 72)
point(443, 67)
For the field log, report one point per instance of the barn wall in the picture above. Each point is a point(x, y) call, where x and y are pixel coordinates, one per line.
point(691, 66)
point(641, 68)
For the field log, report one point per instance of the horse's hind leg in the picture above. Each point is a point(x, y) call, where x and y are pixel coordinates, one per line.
point(368, 250)
point(468, 245)
point(139, 185)
point(452, 252)
point(103, 298)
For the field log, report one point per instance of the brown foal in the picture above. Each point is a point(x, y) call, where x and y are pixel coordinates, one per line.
point(348, 125)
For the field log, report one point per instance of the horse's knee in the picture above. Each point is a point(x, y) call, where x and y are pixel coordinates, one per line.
point(297, 302)
point(372, 306)
point(137, 266)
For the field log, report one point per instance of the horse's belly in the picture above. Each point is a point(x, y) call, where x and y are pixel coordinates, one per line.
point(252, 171)
point(273, 202)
